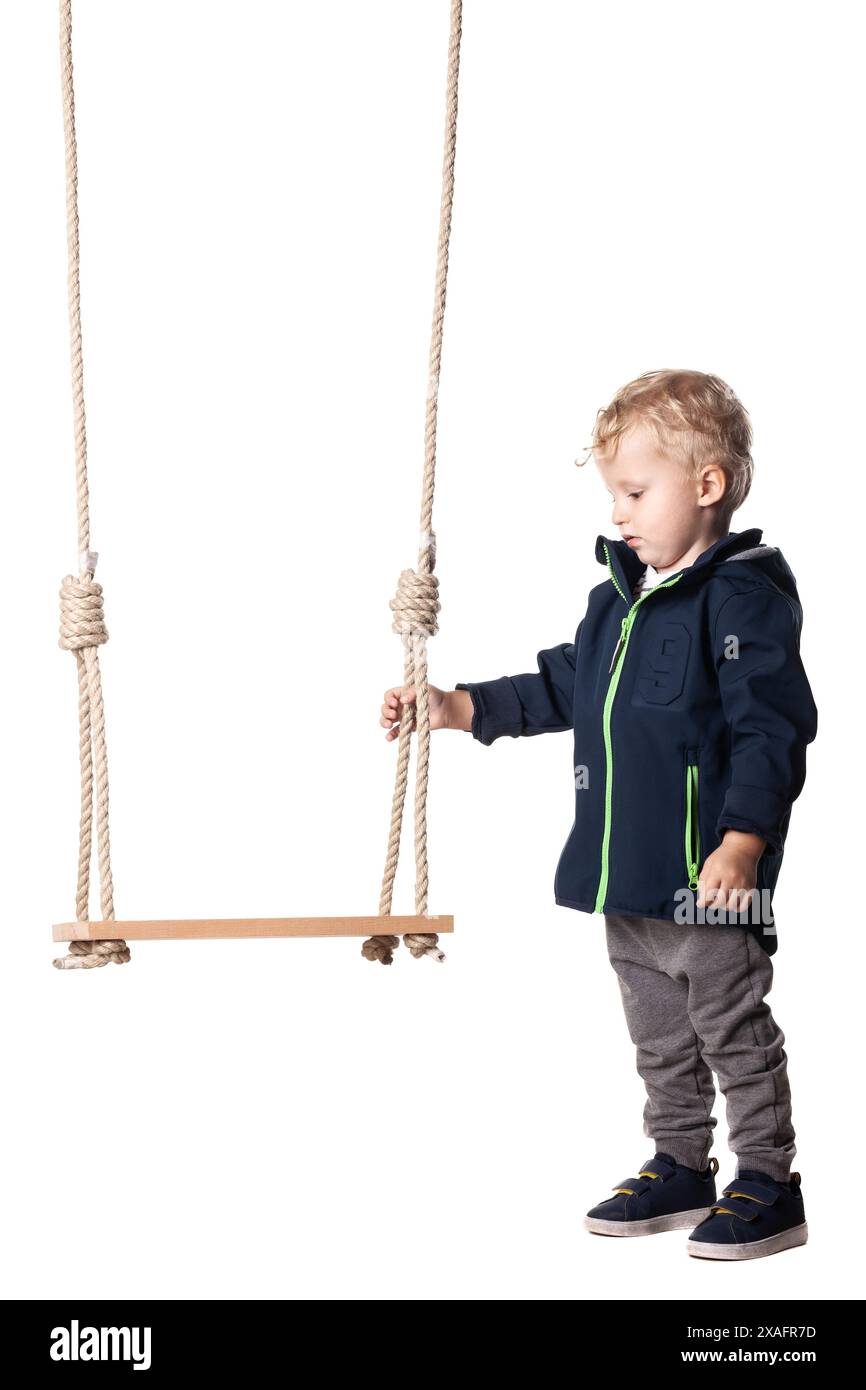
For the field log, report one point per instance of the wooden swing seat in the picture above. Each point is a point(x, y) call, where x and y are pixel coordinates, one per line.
point(200, 929)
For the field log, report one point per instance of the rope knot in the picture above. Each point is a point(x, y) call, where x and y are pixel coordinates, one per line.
point(90, 955)
point(415, 603)
point(424, 944)
point(82, 621)
point(380, 948)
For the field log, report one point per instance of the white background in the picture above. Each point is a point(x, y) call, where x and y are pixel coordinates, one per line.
point(637, 187)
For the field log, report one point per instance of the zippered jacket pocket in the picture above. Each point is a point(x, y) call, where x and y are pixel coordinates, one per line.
point(693, 827)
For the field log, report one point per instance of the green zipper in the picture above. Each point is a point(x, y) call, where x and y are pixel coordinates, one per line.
point(615, 670)
point(693, 827)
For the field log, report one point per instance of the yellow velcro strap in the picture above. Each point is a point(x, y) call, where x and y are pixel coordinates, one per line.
point(729, 1192)
point(624, 1189)
point(645, 1173)
point(725, 1209)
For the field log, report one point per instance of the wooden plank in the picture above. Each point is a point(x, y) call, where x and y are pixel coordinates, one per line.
point(214, 927)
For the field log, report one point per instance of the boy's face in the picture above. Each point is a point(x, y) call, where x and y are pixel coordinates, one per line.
point(665, 516)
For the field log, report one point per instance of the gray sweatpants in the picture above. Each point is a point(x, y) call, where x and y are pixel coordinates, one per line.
point(694, 1003)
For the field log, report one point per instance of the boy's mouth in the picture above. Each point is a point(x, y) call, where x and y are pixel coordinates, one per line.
point(631, 540)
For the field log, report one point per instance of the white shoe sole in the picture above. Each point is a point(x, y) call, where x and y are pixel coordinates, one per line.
point(673, 1221)
point(785, 1240)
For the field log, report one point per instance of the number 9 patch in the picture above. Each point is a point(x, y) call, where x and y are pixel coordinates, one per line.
point(662, 672)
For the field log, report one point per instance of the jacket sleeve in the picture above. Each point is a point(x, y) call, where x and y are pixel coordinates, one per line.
point(532, 703)
point(769, 709)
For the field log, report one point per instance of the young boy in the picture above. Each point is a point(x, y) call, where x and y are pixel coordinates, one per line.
point(691, 712)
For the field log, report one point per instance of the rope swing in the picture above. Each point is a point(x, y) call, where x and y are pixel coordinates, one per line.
point(82, 631)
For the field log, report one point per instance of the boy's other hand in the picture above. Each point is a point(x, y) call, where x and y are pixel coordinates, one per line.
point(730, 874)
point(401, 695)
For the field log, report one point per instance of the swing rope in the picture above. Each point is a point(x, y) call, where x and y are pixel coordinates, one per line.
point(415, 603)
point(82, 620)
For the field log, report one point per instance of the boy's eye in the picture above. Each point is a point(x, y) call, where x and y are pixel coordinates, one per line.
point(634, 494)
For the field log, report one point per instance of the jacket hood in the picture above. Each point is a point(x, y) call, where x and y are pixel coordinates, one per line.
point(740, 548)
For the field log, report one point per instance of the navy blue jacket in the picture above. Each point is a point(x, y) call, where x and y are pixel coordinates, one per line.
point(691, 713)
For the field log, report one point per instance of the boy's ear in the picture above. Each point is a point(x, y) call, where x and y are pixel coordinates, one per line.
point(713, 485)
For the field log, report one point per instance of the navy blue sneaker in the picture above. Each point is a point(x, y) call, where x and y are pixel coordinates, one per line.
point(666, 1196)
point(756, 1216)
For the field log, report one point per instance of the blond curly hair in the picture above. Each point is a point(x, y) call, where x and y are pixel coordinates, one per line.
point(695, 416)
